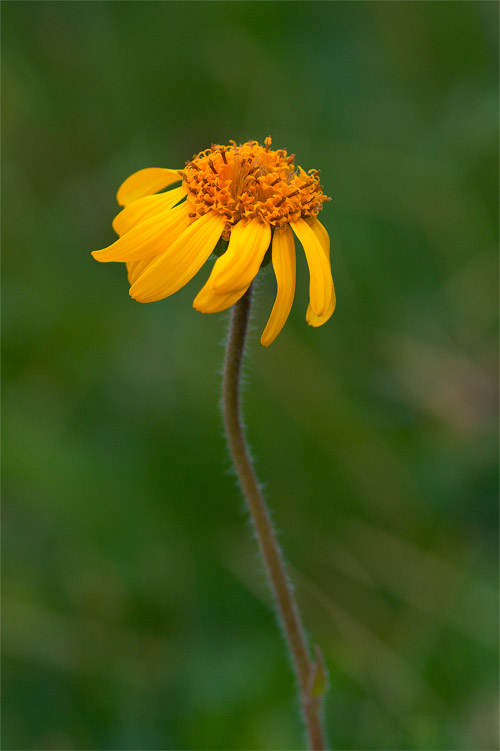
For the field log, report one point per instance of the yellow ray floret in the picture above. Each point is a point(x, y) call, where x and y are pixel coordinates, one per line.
point(144, 183)
point(177, 265)
point(135, 269)
point(324, 239)
point(283, 258)
point(147, 239)
point(243, 257)
point(321, 282)
point(146, 207)
point(208, 301)
point(250, 196)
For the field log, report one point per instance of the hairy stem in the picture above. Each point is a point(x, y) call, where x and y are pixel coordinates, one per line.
point(306, 670)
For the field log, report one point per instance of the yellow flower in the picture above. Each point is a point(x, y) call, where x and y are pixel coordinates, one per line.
point(249, 195)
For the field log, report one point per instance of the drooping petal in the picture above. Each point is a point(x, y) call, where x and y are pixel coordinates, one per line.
point(324, 238)
point(283, 258)
point(320, 232)
point(148, 239)
point(207, 301)
point(144, 183)
point(321, 282)
point(145, 208)
point(241, 261)
point(181, 261)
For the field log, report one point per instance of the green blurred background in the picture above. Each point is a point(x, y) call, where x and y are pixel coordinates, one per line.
point(136, 614)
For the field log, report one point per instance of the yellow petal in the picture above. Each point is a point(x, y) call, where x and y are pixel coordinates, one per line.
point(148, 239)
point(241, 261)
point(181, 261)
point(324, 238)
point(207, 301)
point(135, 268)
point(144, 182)
point(283, 257)
point(321, 282)
point(320, 232)
point(145, 208)
point(314, 320)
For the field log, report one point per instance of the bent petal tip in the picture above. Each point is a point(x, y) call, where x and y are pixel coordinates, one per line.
point(318, 320)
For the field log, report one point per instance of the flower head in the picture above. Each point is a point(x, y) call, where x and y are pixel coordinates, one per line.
point(249, 198)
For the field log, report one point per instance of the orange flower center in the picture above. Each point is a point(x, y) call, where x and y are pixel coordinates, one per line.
point(249, 181)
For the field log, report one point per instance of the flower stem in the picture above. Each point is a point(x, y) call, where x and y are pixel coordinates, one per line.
point(310, 675)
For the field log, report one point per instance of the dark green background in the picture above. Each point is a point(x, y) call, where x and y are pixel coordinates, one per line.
point(136, 615)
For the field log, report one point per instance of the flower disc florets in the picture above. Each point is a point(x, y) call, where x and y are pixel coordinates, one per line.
point(251, 181)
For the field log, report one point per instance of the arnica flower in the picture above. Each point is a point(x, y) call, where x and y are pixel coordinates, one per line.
point(249, 196)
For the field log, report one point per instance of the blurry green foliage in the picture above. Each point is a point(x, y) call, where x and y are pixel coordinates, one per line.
point(135, 612)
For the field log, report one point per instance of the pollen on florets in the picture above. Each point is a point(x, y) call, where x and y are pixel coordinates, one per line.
point(251, 181)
